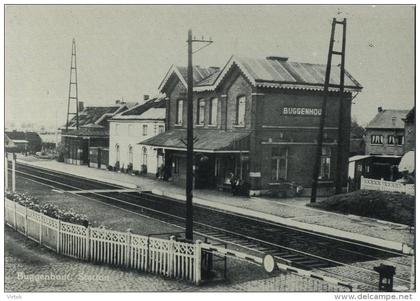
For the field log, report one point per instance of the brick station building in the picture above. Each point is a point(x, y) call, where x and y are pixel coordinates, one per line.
point(255, 118)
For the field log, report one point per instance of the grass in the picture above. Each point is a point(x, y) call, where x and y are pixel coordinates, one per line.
point(388, 206)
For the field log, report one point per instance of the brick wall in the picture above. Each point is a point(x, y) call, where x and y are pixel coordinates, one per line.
point(384, 148)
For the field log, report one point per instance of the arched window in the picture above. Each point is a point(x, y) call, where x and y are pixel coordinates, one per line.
point(130, 154)
point(144, 151)
point(117, 152)
point(213, 111)
point(240, 110)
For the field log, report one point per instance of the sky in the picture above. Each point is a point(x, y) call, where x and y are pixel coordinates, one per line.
point(123, 52)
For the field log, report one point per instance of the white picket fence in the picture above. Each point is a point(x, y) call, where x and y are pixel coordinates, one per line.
point(170, 258)
point(381, 185)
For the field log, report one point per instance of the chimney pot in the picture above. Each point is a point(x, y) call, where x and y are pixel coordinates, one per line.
point(146, 97)
point(277, 58)
point(380, 109)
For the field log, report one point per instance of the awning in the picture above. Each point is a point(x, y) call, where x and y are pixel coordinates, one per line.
point(407, 162)
point(206, 140)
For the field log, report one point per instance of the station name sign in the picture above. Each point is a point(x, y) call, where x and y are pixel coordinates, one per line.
point(301, 111)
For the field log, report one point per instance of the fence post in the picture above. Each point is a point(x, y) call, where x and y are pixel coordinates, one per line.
point(6, 173)
point(14, 216)
point(13, 173)
point(41, 220)
point(26, 221)
point(128, 248)
point(87, 245)
point(58, 236)
point(197, 262)
point(171, 255)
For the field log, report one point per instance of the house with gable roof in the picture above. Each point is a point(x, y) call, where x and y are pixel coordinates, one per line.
point(255, 118)
point(129, 128)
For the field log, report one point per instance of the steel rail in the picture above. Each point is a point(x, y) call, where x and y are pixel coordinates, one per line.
point(220, 230)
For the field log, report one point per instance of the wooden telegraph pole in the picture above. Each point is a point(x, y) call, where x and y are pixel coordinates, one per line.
point(190, 135)
point(317, 164)
point(338, 173)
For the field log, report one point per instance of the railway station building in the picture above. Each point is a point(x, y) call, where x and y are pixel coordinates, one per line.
point(256, 119)
point(93, 132)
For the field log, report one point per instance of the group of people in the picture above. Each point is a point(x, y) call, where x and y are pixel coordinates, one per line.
point(238, 186)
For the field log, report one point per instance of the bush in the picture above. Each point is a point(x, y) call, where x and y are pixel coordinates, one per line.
point(389, 206)
point(48, 209)
point(143, 169)
point(117, 166)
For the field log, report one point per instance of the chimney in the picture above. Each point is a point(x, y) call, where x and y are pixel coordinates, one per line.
point(146, 97)
point(380, 109)
point(81, 106)
point(277, 58)
point(117, 102)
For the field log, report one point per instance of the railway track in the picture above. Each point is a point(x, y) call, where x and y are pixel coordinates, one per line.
point(294, 247)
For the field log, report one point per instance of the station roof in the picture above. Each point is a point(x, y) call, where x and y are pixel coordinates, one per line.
point(216, 141)
point(270, 72)
point(88, 131)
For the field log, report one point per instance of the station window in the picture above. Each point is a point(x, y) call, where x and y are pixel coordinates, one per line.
point(144, 150)
point(240, 110)
point(325, 168)
point(217, 167)
point(161, 129)
point(130, 154)
point(201, 104)
point(179, 111)
point(213, 111)
point(278, 164)
point(117, 152)
point(175, 165)
point(144, 129)
point(376, 139)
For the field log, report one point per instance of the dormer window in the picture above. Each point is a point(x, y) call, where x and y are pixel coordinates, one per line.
point(394, 121)
point(240, 110)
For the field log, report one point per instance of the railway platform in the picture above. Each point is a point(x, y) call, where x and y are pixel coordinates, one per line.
point(292, 212)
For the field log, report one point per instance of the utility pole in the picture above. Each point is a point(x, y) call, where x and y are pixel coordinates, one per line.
point(317, 164)
point(190, 134)
point(338, 173)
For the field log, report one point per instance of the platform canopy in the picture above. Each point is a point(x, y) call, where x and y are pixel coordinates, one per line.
point(207, 141)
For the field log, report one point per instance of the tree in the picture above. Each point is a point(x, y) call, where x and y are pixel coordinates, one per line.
point(356, 130)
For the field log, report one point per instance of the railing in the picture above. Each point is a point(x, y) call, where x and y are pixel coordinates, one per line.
point(381, 185)
point(170, 258)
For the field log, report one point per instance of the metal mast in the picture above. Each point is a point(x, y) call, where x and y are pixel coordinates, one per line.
point(317, 165)
point(73, 92)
